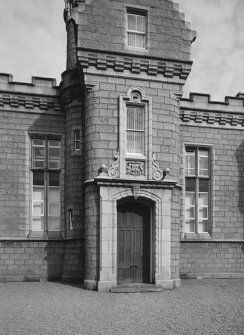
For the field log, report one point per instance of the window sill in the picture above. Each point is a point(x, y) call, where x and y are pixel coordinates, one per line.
point(45, 235)
point(135, 156)
point(188, 237)
point(132, 48)
point(206, 237)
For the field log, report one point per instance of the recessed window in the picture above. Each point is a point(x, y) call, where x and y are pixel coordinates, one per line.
point(135, 134)
point(135, 129)
point(46, 162)
point(77, 138)
point(197, 186)
point(136, 29)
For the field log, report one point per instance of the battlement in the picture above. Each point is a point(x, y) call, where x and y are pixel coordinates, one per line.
point(40, 94)
point(38, 85)
point(200, 101)
point(200, 109)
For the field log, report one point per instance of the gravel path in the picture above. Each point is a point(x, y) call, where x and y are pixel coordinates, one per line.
point(197, 307)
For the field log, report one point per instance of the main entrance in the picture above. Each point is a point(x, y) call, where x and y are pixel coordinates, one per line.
point(133, 243)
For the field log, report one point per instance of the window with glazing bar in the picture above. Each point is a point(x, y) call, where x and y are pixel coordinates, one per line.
point(46, 161)
point(197, 186)
point(77, 140)
point(135, 130)
point(136, 29)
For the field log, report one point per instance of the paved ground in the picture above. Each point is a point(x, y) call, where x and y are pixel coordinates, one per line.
point(197, 307)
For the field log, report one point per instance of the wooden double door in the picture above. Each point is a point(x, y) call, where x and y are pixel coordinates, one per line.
point(133, 241)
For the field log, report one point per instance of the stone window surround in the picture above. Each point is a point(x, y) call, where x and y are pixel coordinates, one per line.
point(160, 197)
point(137, 9)
point(146, 102)
point(211, 225)
point(45, 234)
point(74, 151)
point(137, 12)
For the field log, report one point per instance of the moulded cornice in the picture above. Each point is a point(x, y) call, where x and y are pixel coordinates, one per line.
point(135, 63)
point(109, 182)
point(211, 119)
point(29, 101)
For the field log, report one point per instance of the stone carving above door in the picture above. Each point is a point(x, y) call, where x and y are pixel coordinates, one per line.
point(135, 168)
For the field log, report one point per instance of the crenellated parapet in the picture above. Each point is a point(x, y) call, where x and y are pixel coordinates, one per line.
point(41, 94)
point(200, 110)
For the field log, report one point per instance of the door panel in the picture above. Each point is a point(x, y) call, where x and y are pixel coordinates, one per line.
point(138, 255)
point(133, 243)
point(125, 255)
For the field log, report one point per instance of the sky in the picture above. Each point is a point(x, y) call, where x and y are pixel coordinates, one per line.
point(33, 43)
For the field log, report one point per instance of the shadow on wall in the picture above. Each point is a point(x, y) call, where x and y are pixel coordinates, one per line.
point(240, 163)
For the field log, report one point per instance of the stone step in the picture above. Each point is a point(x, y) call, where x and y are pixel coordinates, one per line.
point(136, 288)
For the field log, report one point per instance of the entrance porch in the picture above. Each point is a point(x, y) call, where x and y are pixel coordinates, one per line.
point(141, 251)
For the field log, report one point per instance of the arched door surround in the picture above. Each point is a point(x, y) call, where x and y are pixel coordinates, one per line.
point(112, 194)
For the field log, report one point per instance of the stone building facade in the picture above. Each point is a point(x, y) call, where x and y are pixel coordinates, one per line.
point(112, 177)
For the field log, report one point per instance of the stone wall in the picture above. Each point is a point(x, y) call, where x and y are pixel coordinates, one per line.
point(175, 235)
point(28, 110)
point(212, 259)
point(24, 260)
point(218, 125)
point(102, 25)
point(227, 177)
point(102, 122)
point(72, 97)
point(25, 110)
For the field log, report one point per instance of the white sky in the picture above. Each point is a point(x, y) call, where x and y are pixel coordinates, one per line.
point(33, 42)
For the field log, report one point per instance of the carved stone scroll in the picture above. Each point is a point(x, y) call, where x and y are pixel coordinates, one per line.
point(113, 171)
point(158, 174)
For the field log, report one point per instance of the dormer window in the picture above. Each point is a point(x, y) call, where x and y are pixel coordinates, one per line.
point(136, 29)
